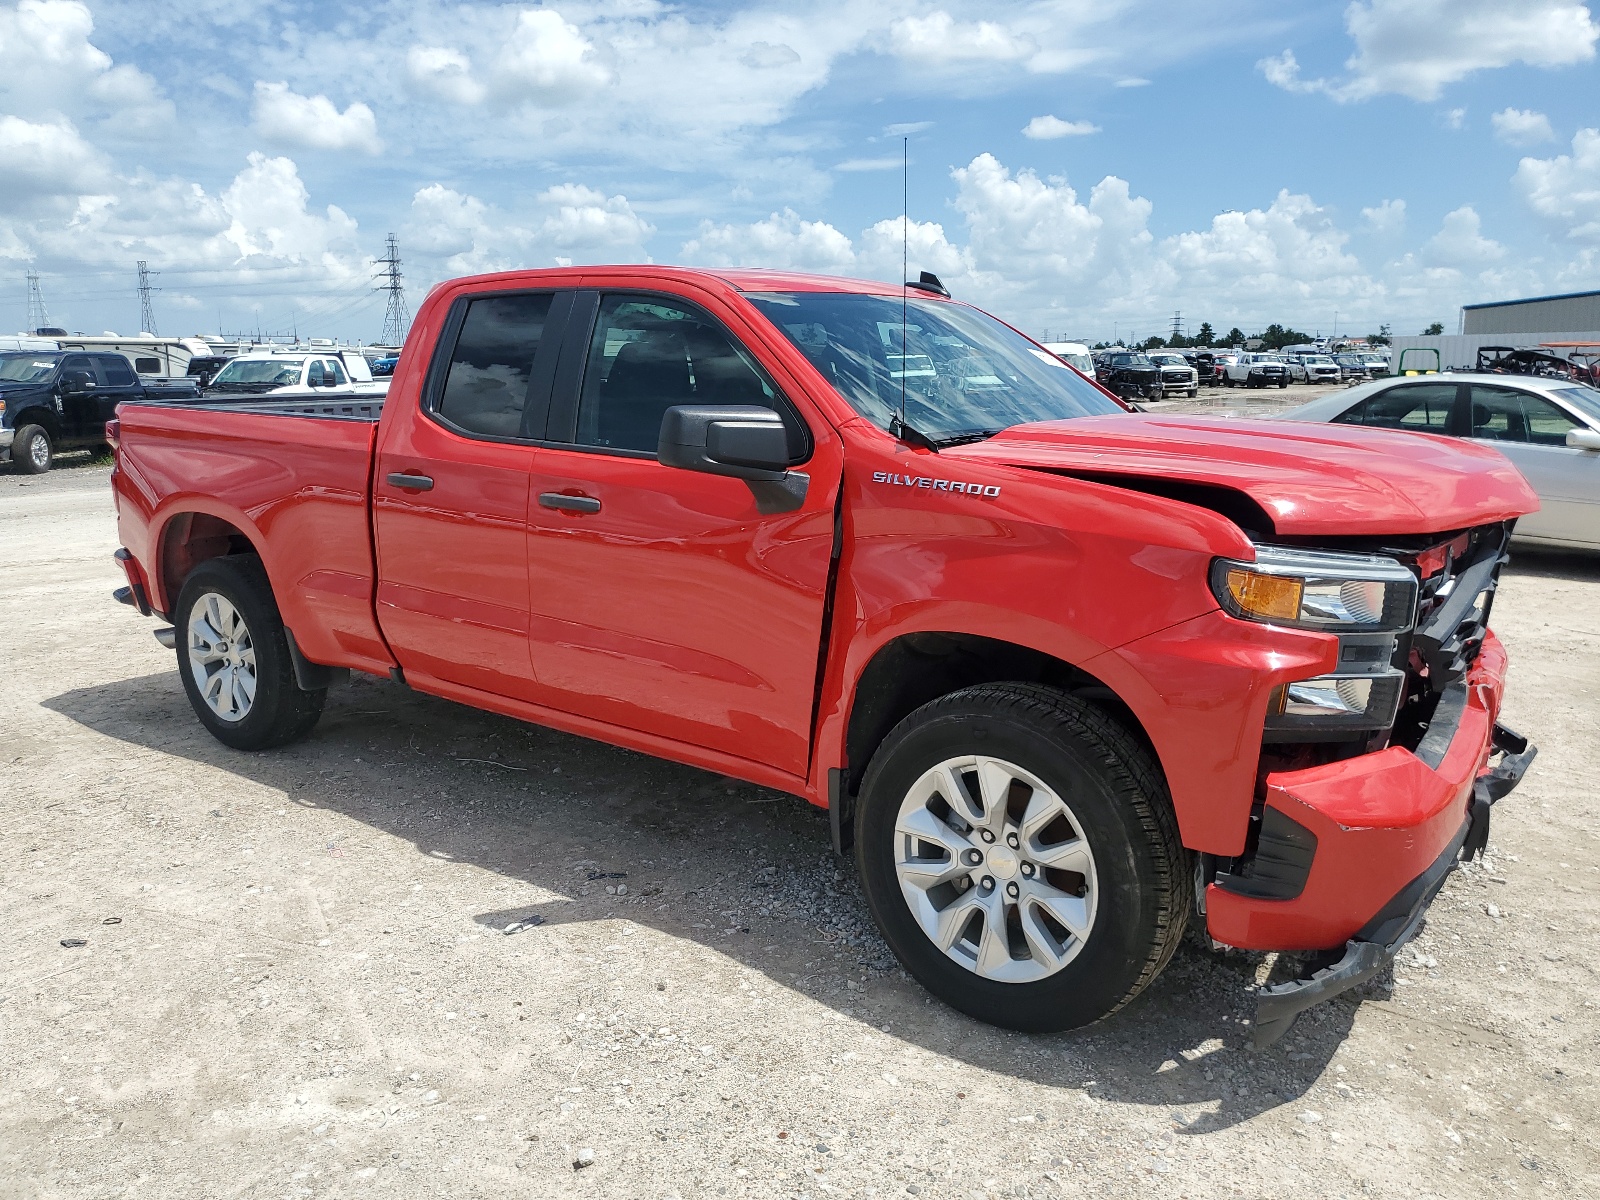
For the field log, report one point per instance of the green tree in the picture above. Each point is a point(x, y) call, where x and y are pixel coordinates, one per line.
point(1152, 343)
point(1433, 330)
point(1235, 337)
point(1381, 338)
point(1276, 337)
point(1206, 335)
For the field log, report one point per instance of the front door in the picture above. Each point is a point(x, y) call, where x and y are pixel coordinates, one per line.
point(679, 604)
point(1532, 432)
point(77, 405)
point(450, 495)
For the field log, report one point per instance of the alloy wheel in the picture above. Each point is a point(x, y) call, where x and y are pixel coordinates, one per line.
point(222, 657)
point(995, 869)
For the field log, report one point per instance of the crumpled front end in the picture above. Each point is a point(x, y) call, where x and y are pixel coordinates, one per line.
point(1345, 855)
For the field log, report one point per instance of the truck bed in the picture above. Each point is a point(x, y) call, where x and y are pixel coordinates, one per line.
point(298, 490)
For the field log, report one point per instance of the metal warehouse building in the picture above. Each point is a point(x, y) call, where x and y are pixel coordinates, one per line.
point(1570, 313)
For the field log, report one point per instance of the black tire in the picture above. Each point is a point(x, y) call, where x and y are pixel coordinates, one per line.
point(1283, 383)
point(32, 451)
point(1194, 392)
point(279, 712)
point(1120, 803)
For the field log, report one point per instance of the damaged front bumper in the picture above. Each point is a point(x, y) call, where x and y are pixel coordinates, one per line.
point(1374, 947)
point(1351, 853)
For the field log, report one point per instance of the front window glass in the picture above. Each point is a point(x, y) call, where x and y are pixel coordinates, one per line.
point(335, 371)
point(274, 372)
point(1585, 399)
point(487, 387)
point(1506, 415)
point(649, 353)
point(978, 376)
point(316, 375)
point(25, 368)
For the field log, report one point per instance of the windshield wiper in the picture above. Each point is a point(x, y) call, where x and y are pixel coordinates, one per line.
point(910, 435)
point(962, 439)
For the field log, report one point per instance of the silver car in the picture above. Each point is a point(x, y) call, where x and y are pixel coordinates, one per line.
point(1550, 428)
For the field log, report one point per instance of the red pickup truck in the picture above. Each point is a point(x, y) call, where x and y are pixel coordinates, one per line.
point(1064, 675)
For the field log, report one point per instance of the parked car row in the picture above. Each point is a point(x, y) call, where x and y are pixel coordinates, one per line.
point(1168, 371)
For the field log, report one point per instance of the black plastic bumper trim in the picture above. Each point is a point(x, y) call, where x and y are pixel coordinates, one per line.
point(1281, 863)
point(841, 811)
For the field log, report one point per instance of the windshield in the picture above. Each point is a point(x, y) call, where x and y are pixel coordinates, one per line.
point(1317, 360)
point(260, 370)
point(1585, 399)
point(1170, 360)
point(25, 368)
point(962, 372)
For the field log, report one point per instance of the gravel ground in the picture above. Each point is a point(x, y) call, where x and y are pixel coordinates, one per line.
point(431, 952)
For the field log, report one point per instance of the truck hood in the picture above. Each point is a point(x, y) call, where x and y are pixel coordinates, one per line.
point(1309, 479)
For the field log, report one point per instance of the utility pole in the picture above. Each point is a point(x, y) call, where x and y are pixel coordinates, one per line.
point(397, 319)
point(147, 312)
point(38, 318)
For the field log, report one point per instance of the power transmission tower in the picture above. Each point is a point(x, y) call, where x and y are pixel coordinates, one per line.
point(38, 318)
point(147, 312)
point(398, 318)
point(1177, 327)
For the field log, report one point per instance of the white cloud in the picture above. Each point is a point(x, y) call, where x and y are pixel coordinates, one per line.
point(1455, 118)
point(1386, 217)
point(883, 163)
point(1565, 190)
point(546, 60)
point(587, 220)
point(313, 121)
point(782, 240)
point(49, 67)
point(940, 38)
point(1133, 81)
point(47, 159)
point(764, 56)
point(1417, 48)
point(1460, 243)
point(269, 216)
point(1047, 127)
point(1522, 127)
point(445, 73)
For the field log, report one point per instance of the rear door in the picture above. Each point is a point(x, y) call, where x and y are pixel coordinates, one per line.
point(679, 604)
point(450, 495)
point(1532, 431)
point(118, 383)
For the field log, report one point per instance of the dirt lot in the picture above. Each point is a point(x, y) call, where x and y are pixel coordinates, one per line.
point(297, 980)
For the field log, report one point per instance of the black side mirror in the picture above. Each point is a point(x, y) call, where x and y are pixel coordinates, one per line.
point(740, 440)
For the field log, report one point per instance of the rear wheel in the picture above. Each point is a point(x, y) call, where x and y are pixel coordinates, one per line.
point(233, 655)
point(1019, 852)
point(31, 450)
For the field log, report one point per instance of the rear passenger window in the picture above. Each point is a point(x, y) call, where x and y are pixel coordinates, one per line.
point(117, 372)
point(486, 389)
point(649, 354)
point(1423, 407)
point(315, 375)
point(147, 366)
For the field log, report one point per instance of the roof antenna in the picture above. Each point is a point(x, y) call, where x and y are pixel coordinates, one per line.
point(898, 426)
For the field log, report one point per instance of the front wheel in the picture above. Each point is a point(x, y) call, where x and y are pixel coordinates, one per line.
point(233, 654)
point(31, 450)
point(1283, 383)
point(1019, 852)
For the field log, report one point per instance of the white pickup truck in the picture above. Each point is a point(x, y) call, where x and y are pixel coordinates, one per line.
point(289, 373)
point(1257, 370)
point(1177, 376)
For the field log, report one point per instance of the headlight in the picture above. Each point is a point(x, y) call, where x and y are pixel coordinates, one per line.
point(1369, 601)
point(1318, 589)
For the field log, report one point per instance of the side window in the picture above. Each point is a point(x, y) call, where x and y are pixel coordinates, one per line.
point(648, 354)
point(147, 366)
point(315, 375)
point(335, 371)
point(486, 388)
point(1506, 415)
point(1423, 407)
point(80, 364)
point(116, 372)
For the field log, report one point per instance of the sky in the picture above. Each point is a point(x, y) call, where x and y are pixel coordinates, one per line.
point(1082, 168)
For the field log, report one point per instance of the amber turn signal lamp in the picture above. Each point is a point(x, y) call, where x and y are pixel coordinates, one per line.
point(1265, 597)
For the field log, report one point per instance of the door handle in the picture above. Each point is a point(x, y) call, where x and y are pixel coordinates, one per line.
point(566, 503)
point(418, 483)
